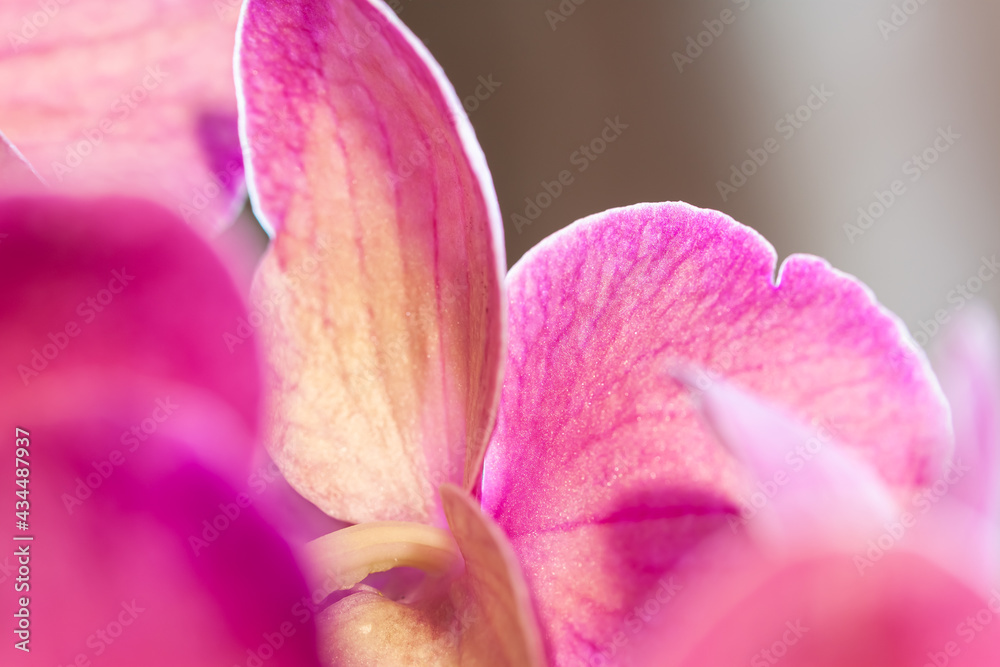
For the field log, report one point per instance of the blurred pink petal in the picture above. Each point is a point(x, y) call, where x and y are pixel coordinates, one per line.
point(136, 428)
point(804, 488)
point(383, 282)
point(117, 287)
point(968, 365)
point(131, 98)
point(817, 612)
point(156, 560)
point(599, 470)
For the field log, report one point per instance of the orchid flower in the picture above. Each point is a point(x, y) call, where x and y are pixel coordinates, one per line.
point(530, 443)
point(839, 569)
point(132, 98)
point(127, 424)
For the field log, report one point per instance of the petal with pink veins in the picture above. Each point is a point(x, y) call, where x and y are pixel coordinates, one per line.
point(383, 282)
point(131, 98)
point(599, 469)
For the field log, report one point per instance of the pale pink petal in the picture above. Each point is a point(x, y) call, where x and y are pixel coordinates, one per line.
point(382, 287)
point(968, 365)
point(803, 487)
point(132, 98)
point(818, 612)
point(599, 470)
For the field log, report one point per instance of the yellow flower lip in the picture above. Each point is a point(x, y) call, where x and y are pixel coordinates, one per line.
point(342, 559)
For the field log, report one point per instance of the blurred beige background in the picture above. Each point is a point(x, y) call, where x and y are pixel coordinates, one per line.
point(887, 80)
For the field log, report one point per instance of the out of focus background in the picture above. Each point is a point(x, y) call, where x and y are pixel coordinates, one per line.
point(863, 132)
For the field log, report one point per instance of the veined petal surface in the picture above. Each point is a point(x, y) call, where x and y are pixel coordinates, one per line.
point(386, 322)
point(599, 470)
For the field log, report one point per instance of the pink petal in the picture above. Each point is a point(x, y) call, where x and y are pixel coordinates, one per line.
point(384, 275)
point(968, 364)
point(818, 612)
point(137, 430)
point(147, 557)
point(117, 287)
point(599, 470)
point(127, 98)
